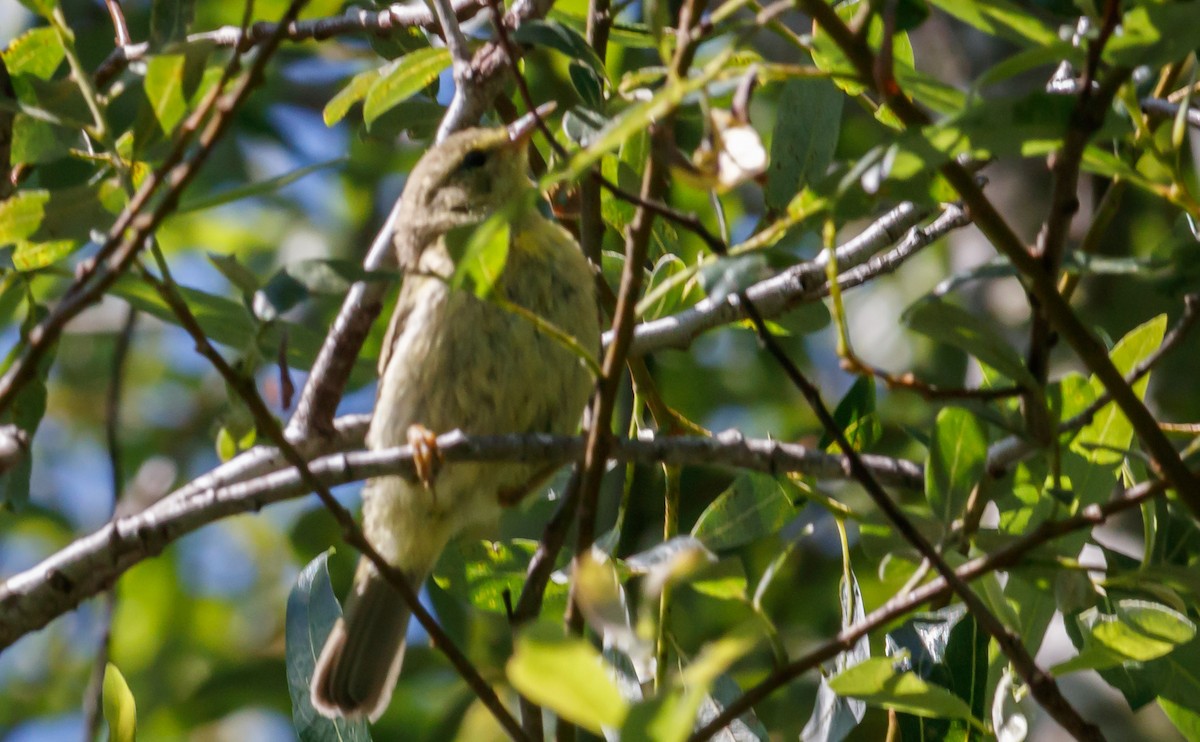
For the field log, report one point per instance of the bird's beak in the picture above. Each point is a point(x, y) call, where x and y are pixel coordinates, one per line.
point(522, 129)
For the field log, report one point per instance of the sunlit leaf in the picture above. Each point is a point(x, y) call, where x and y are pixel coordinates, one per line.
point(402, 79)
point(877, 682)
point(567, 676)
point(1110, 432)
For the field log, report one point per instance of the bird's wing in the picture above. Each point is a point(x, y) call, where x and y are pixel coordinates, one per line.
point(404, 307)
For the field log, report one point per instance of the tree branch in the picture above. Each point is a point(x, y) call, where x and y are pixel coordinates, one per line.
point(805, 282)
point(353, 21)
point(31, 599)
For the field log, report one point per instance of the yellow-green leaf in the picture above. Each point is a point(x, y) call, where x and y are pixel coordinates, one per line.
point(1110, 432)
point(404, 78)
point(120, 710)
point(567, 676)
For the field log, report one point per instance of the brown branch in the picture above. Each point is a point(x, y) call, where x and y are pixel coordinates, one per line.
point(1008, 451)
point(335, 361)
point(121, 29)
point(1086, 118)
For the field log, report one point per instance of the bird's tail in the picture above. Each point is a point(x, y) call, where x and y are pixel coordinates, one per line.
point(357, 669)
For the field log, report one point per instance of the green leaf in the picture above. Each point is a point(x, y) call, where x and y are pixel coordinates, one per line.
point(955, 464)
point(679, 293)
point(1144, 630)
point(42, 7)
point(236, 273)
point(59, 215)
point(229, 323)
point(745, 728)
point(929, 91)
point(955, 326)
point(120, 710)
point(667, 717)
point(21, 215)
point(1001, 18)
point(1138, 631)
point(258, 188)
point(809, 114)
point(36, 53)
point(1154, 34)
point(482, 571)
point(164, 86)
point(633, 121)
point(312, 611)
point(28, 408)
point(480, 252)
point(670, 561)
point(403, 79)
point(37, 142)
point(877, 682)
point(1028, 125)
point(945, 648)
point(754, 506)
point(1185, 719)
point(1110, 430)
point(1028, 59)
point(30, 256)
point(351, 93)
point(855, 415)
point(834, 716)
point(561, 38)
point(828, 56)
point(567, 676)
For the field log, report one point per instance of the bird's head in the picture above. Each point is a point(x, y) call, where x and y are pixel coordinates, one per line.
point(465, 178)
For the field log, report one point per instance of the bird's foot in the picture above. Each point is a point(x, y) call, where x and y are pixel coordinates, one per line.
point(426, 457)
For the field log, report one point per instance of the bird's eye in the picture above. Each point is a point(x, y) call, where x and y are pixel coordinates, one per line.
point(473, 159)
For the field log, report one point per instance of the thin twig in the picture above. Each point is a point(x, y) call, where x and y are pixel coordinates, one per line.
point(120, 28)
point(1042, 685)
point(335, 361)
point(1166, 109)
point(112, 426)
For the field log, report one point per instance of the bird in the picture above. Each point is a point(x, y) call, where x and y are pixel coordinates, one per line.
point(454, 360)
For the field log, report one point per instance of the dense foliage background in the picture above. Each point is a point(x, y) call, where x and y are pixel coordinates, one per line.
point(982, 163)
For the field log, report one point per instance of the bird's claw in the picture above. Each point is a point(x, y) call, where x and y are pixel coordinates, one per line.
point(426, 457)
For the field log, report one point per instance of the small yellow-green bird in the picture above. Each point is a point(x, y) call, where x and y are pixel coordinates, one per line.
point(451, 360)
